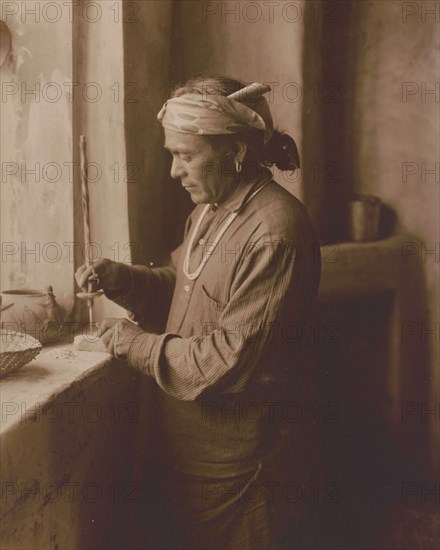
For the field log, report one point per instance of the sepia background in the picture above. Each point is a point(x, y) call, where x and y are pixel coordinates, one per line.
point(356, 83)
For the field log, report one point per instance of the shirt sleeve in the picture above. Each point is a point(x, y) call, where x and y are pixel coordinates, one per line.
point(226, 356)
point(149, 295)
point(150, 291)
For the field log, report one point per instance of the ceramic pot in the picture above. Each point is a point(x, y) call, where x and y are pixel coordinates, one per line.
point(26, 310)
point(364, 218)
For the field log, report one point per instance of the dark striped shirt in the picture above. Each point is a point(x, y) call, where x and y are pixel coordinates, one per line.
point(226, 328)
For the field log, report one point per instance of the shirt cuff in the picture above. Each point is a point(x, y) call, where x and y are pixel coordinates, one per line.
point(144, 352)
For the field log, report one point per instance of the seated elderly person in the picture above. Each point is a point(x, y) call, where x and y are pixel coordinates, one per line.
point(236, 445)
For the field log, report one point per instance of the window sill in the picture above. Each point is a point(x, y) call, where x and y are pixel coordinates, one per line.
point(43, 380)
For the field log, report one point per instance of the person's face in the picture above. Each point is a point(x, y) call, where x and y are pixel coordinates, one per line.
point(207, 175)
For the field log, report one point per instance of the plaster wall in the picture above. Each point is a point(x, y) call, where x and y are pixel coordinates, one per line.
point(252, 44)
point(396, 150)
point(36, 151)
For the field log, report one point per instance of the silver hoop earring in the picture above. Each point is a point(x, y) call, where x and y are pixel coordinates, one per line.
point(238, 167)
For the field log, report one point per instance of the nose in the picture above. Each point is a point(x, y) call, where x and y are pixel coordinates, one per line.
point(177, 170)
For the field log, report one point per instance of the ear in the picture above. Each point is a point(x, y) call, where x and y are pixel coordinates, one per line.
point(240, 152)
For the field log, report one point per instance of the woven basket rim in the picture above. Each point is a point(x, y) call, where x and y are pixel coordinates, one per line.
point(13, 360)
point(29, 341)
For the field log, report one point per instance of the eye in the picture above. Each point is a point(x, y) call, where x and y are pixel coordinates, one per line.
point(187, 158)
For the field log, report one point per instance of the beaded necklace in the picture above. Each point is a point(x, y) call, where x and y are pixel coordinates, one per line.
point(192, 276)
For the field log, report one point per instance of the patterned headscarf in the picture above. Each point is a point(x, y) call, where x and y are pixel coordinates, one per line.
point(218, 115)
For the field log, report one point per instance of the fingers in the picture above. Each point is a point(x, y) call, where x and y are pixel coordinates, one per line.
point(93, 273)
point(79, 273)
point(106, 325)
point(108, 340)
point(117, 335)
point(107, 335)
point(82, 276)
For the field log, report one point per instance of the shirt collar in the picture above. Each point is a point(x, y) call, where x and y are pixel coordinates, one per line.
point(236, 201)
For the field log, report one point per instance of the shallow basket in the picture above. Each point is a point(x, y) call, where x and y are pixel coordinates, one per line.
point(16, 350)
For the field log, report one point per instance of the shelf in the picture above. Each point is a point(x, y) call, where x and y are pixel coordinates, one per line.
point(357, 270)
